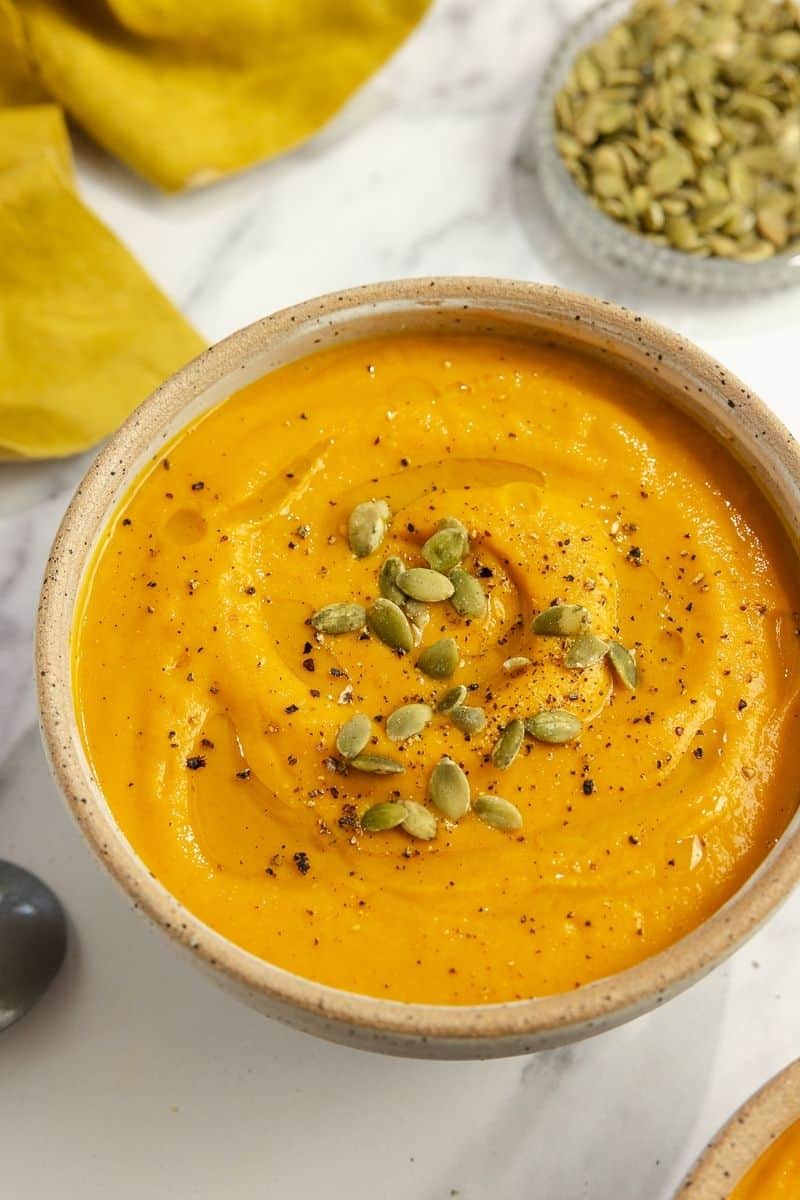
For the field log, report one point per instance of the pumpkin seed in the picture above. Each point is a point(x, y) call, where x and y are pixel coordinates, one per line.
point(755, 251)
point(376, 764)
point(448, 789)
point(354, 735)
point(713, 185)
point(714, 216)
point(516, 665)
point(508, 745)
point(390, 625)
point(339, 618)
point(420, 583)
point(387, 579)
point(740, 182)
point(499, 813)
point(451, 699)
point(366, 527)
point(722, 246)
point(468, 718)
point(468, 597)
point(418, 615)
point(440, 659)
point(668, 173)
point(741, 223)
point(445, 549)
point(609, 184)
point(773, 225)
point(407, 721)
point(553, 725)
point(453, 523)
point(569, 146)
point(703, 130)
point(653, 217)
point(585, 651)
point(562, 620)
point(682, 232)
point(624, 664)
point(786, 45)
point(420, 821)
point(386, 815)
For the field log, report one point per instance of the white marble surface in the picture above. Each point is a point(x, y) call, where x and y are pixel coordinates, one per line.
point(136, 1076)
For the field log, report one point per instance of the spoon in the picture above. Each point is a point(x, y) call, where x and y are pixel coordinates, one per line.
point(33, 938)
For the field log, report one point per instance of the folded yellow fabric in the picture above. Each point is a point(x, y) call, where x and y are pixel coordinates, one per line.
point(85, 334)
point(29, 130)
point(210, 18)
point(205, 88)
point(182, 92)
point(17, 83)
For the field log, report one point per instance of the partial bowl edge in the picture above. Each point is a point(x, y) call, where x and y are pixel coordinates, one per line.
point(744, 1138)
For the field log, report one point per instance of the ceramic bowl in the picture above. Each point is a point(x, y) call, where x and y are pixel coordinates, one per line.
point(686, 377)
point(750, 1131)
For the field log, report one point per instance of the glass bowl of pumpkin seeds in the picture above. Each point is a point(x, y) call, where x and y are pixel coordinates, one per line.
point(666, 138)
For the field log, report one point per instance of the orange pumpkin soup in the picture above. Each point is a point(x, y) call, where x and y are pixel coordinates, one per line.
point(590, 587)
point(776, 1174)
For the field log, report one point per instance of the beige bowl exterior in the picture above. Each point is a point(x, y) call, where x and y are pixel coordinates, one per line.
point(688, 378)
point(739, 1144)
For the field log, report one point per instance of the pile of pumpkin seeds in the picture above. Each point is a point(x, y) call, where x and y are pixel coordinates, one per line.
point(683, 123)
point(397, 618)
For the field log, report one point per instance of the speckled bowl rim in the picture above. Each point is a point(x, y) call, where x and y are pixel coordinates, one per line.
point(476, 1030)
point(747, 1135)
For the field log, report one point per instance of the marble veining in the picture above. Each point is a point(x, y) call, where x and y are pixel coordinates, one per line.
point(151, 1081)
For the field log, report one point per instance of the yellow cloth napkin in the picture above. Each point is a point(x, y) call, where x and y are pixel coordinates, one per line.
point(85, 335)
point(31, 130)
point(181, 91)
point(185, 92)
point(17, 83)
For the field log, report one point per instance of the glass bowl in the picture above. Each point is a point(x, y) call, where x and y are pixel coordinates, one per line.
point(599, 235)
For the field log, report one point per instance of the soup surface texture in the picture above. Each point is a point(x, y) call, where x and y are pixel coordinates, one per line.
point(210, 706)
point(776, 1174)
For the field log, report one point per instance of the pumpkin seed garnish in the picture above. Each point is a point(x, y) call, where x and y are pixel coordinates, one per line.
point(376, 764)
point(386, 815)
point(585, 651)
point(468, 597)
point(624, 664)
point(419, 616)
point(407, 721)
point(390, 625)
point(553, 725)
point(339, 618)
point(420, 583)
point(451, 699)
point(685, 104)
point(508, 745)
point(445, 549)
point(420, 821)
point(354, 735)
point(499, 813)
point(454, 523)
point(516, 665)
point(448, 789)
point(387, 579)
point(366, 527)
point(440, 659)
point(562, 620)
point(468, 718)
